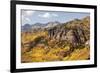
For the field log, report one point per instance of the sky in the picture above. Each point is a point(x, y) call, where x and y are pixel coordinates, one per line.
point(33, 16)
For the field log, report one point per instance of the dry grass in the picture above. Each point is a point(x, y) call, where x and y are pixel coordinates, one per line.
point(41, 54)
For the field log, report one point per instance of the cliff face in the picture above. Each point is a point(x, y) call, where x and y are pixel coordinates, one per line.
point(74, 32)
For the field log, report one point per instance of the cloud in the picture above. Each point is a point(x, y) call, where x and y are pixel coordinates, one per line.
point(45, 15)
point(27, 13)
point(48, 15)
point(25, 19)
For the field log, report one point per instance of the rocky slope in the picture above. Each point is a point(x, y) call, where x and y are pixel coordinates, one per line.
point(74, 32)
point(61, 41)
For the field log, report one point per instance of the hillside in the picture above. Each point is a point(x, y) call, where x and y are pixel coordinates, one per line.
point(56, 41)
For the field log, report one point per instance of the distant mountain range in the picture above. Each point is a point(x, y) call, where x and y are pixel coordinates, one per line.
point(50, 25)
point(28, 27)
point(75, 31)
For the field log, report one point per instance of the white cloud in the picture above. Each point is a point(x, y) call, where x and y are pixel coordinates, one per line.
point(25, 19)
point(26, 16)
point(45, 15)
point(28, 13)
point(48, 15)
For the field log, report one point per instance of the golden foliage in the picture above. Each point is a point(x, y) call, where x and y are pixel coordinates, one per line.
point(50, 51)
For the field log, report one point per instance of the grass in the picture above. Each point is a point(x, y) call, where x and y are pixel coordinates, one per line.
point(50, 50)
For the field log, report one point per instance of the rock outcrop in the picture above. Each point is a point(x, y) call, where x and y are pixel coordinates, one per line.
point(75, 33)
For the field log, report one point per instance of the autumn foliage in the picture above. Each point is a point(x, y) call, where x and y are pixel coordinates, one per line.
point(40, 47)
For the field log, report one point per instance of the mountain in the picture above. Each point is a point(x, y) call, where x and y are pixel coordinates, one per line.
point(74, 32)
point(56, 41)
point(26, 27)
point(52, 24)
point(36, 26)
